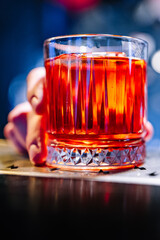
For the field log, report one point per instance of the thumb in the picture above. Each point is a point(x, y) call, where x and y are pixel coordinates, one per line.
point(149, 131)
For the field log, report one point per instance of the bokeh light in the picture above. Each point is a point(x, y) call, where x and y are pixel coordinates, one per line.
point(155, 61)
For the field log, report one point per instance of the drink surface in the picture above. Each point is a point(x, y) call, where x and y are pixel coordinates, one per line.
point(95, 98)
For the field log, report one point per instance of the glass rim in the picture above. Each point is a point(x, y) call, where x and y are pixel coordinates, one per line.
point(125, 38)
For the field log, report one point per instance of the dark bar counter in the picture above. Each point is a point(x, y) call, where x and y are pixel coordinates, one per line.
point(86, 205)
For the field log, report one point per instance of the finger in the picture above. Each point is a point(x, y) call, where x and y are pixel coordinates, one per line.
point(35, 89)
point(35, 140)
point(149, 131)
point(18, 118)
point(24, 107)
point(9, 132)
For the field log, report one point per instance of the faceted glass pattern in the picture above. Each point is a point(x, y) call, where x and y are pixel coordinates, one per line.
point(95, 158)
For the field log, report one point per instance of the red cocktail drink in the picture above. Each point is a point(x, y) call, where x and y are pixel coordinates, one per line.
point(96, 110)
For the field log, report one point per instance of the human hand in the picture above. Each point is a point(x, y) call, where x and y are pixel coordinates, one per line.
point(26, 122)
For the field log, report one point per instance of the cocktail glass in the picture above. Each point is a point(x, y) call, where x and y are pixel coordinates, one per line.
point(96, 101)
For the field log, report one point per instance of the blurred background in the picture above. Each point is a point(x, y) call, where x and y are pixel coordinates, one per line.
point(26, 24)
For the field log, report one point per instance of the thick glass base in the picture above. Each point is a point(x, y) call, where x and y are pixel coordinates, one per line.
point(95, 159)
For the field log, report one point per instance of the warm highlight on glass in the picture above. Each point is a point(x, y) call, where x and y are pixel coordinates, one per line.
point(96, 101)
